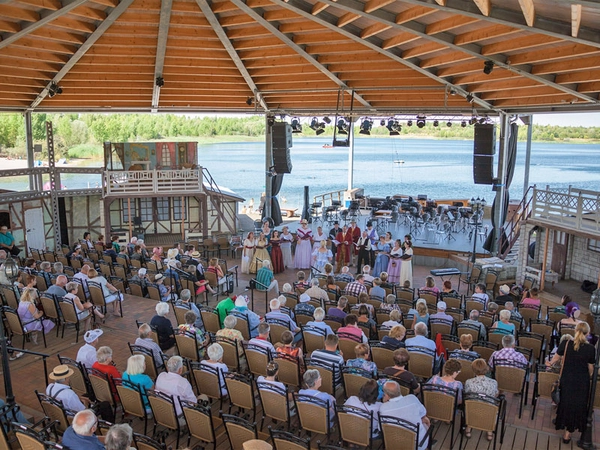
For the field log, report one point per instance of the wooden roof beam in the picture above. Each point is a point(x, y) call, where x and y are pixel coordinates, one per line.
point(528, 11)
point(91, 40)
point(352, 32)
point(384, 17)
point(575, 19)
point(298, 49)
point(161, 49)
point(205, 6)
point(26, 28)
point(485, 6)
point(515, 19)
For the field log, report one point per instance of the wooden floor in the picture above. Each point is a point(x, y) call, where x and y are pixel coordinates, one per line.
point(27, 375)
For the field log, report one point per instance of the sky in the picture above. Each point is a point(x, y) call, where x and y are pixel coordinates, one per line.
point(568, 120)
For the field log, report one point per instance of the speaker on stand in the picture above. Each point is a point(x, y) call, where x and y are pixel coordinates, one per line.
point(484, 149)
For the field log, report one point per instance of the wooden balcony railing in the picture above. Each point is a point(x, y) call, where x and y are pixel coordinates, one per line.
point(575, 209)
point(152, 181)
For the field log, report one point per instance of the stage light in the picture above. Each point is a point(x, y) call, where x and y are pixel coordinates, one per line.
point(420, 121)
point(342, 126)
point(483, 120)
point(448, 124)
point(327, 120)
point(365, 126)
point(316, 126)
point(409, 123)
point(54, 89)
point(160, 82)
point(382, 122)
point(469, 98)
point(436, 123)
point(472, 120)
point(463, 123)
point(394, 127)
point(488, 66)
point(249, 101)
point(296, 125)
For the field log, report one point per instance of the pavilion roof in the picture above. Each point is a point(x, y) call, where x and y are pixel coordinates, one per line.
point(300, 56)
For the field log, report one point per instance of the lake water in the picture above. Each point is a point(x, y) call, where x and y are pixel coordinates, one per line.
point(437, 168)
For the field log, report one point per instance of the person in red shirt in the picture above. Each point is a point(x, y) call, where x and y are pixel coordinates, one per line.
point(351, 327)
point(105, 365)
point(344, 237)
point(355, 233)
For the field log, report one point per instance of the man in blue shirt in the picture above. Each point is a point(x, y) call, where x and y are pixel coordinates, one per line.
point(7, 241)
point(266, 278)
point(80, 435)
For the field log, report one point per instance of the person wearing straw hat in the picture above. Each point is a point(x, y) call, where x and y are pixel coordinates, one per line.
point(303, 255)
point(60, 389)
point(87, 353)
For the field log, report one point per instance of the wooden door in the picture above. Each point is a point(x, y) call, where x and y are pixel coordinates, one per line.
point(559, 252)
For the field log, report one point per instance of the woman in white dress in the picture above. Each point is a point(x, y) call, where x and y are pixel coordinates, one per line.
point(322, 256)
point(406, 266)
point(317, 238)
point(248, 252)
point(303, 256)
point(286, 247)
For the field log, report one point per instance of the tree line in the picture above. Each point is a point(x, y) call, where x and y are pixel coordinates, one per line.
point(81, 135)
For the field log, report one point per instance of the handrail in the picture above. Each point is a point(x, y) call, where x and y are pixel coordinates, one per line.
point(329, 196)
point(214, 189)
point(31, 352)
point(512, 228)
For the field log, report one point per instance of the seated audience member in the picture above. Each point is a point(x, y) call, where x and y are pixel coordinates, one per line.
point(224, 306)
point(395, 319)
point(166, 293)
point(430, 286)
point(142, 277)
point(481, 295)
point(87, 353)
point(300, 285)
point(330, 356)
point(186, 303)
point(514, 314)
point(271, 378)
point(81, 433)
point(407, 408)
point(466, 342)
point(315, 291)
point(507, 352)
point(30, 315)
point(474, 320)
point(144, 340)
point(84, 310)
point(287, 347)
point(262, 340)
point(312, 381)
point(377, 291)
point(420, 338)
point(276, 313)
point(266, 278)
point(201, 340)
point(174, 384)
point(46, 273)
point(441, 313)
point(389, 304)
point(447, 290)
point(530, 298)
point(355, 288)
point(215, 360)
point(60, 389)
point(303, 307)
point(338, 311)
point(105, 364)
point(136, 365)
point(367, 401)
point(241, 306)
point(503, 325)
point(350, 327)
point(119, 437)
point(111, 293)
point(362, 352)
point(229, 331)
point(364, 319)
point(481, 384)
point(319, 315)
point(399, 371)
point(394, 339)
point(448, 379)
point(164, 327)
point(504, 296)
point(345, 275)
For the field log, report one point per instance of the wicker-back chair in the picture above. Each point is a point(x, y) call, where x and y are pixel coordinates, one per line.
point(275, 403)
point(241, 393)
point(441, 404)
point(131, 396)
point(542, 386)
point(313, 414)
point(238, 430)
point(201, 424)
point(164, 412)
point(356, 425)
point(401, 434)
point(512, 377)
point(485, 413)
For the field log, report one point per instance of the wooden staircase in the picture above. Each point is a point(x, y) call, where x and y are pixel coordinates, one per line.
point(511, 230)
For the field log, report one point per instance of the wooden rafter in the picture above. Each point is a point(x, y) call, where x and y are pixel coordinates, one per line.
point(575, 19)
point(528, 11)
point(472, 50)
point(298, 49)
point(161, 49)
point(27, 28)
point(91, 40)
point(485, 6)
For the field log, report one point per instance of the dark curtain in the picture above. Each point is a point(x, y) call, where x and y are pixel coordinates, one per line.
point(306, 207)
point(276, 183)
point(511, 160)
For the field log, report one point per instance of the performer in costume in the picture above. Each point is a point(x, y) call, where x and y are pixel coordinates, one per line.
point(317, 238)
point(286, 247)
point(322, 256)
point(303, 255)
point(344, 242)
point(260, 253)
point(363, 250)
point(355, 233)
point(332, 235)
point(373, 237)
point(248, 253)
point(276, 254)
point(395, 263)
point(382, 259)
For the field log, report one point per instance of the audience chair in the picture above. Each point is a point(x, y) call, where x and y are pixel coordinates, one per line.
point(257, 358)
point(17, 327)
point(512, 377)
point(485, 348)
point(441, 403)
point(210, 319)
point(346, 345)
point(382, 355)
point(231, 354)
point(542, 386)
point(10, 295)
point(208, 381)
point(421, 362)
point(411, 435)
point(429, 297)
point(30, 440)
point(485, 413)
point(354, 378)
point(55, 411)
point(495, 335)
point(440, 326)
point(532, 341)
point(242, 325)
point(555, 316)
point(331, 376)
point(467, 328)
point(487, 319)
point(79, 381)
point(473, 303)
point(102, 385)
point(472, 278)
point(154, 293)
point(187, 345)
point(135, 288)
point(69, 316)
point(457, 314)
point(565, 329)
point(452, 301)
point(147, 443)
point(465, 359)
point(164, 412)
point(543, 327)
point(529, 312)
point(241, 393)
point(238, 430)
point(333, 322)
point(313, 338)
point(275, 403)
point(450, 342)
point(131, 396)
point(314, 414)
point(355, 425)
point(289, 370)
point(284, 440)
point(277, 329)
point(201, 424)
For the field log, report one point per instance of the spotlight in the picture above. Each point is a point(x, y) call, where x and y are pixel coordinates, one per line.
point(469, 98)
point(249, 101)
point(327, 120)
point(472, 120)
point(394, 127)
point(54, 89)
point(436, 123)
point(365, 126)
point(316, 126)
point(160, 82)
point(270, 120)
point(488, 66)
point(483, 120)
point(296, 125)
point(409, 123)
point(448, 124)
point(463, 124)
point(382, 122)
point(420, 121)
point(342, 127)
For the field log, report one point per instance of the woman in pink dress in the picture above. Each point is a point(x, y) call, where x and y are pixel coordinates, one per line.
point(393, 268)
point(303, 255)
point(276, 255)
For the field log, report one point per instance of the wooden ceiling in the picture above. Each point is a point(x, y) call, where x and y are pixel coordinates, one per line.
point(300, 56)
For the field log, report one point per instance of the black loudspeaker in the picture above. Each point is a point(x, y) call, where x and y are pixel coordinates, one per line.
point(483, 166)
point(282, 142)
point(485, 139)
point(282, 135)
point(282, 160)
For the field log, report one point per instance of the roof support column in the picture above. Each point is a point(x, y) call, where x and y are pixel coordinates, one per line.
point(29, 147)
point(268, 165)
point(351, 155)
point(499, 211)
point(528, 153)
